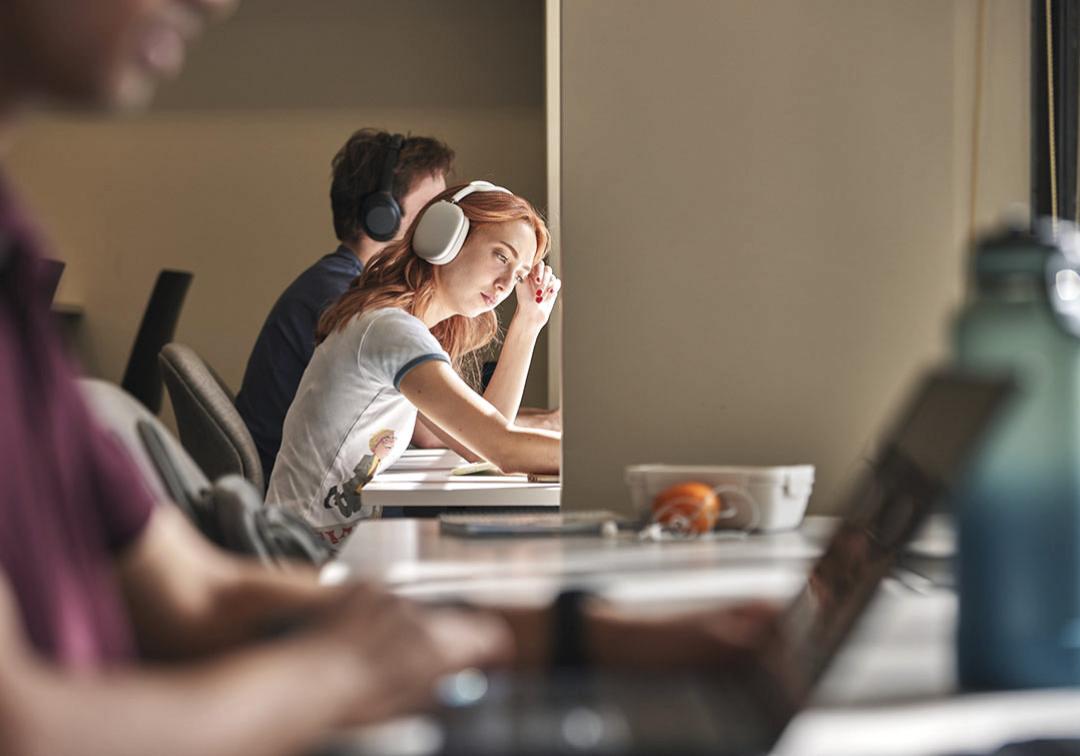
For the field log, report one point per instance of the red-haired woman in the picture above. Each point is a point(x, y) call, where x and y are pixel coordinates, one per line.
point(398, 340)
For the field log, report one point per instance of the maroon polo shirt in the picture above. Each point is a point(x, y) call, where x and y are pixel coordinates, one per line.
point(70, 498)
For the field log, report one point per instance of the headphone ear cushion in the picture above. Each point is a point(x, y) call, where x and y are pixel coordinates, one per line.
point(380, 216)
point(440, 233)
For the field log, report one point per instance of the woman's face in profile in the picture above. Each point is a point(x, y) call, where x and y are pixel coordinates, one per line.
point(493, 260)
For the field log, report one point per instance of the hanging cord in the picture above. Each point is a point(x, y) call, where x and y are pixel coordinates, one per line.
point(1050, 117)
point(976, 116)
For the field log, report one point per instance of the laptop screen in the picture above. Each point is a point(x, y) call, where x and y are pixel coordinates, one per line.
point(918, 461)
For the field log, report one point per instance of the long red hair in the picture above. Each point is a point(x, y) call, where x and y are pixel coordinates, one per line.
point(396, 277)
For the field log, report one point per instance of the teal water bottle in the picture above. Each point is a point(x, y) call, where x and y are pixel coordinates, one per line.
point(1018, 512)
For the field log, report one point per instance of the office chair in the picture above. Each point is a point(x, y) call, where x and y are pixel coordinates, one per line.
point(118, 412)
point(52, 270)
point(142, 377)
point(229, 511)
point(210, 428)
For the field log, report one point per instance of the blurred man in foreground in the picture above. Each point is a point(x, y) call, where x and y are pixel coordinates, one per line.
point(121, 629)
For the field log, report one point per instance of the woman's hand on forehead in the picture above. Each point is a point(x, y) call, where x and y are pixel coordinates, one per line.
point(536, 295)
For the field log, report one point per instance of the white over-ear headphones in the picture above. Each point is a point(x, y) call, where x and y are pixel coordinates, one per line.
point(441, 230)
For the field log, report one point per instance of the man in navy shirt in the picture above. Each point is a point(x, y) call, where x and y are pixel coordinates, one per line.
point(287, 339)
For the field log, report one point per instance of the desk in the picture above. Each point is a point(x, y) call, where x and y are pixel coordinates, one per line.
point(891, 690)
point(422, 479)
point(413, 558)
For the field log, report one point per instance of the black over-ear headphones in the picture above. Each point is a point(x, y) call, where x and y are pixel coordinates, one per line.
point(380, 214)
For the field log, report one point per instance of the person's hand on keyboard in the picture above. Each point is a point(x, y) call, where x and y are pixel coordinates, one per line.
point(396, 650)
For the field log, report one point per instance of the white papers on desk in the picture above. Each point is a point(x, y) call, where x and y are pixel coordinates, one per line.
point(438, 488)
point(422, 478)
point(426, 459)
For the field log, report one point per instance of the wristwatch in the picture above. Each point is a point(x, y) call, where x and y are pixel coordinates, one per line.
point(568, 649)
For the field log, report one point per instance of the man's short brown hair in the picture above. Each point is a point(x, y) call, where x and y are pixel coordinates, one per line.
point(358, 165)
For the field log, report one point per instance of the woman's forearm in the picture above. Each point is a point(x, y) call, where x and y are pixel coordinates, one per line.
point(525, 450)
point(441, 395)
point(507, 383)
point(504, 390)
point(428, 435)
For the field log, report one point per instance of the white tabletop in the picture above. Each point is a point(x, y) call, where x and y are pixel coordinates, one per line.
point(416, 559)
point(892, 688)
point(426, 478)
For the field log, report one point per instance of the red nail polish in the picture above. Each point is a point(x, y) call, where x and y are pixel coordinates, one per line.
point(539, 292)
point(539, 300)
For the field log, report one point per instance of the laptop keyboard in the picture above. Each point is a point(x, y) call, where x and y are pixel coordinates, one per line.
point(608, 714)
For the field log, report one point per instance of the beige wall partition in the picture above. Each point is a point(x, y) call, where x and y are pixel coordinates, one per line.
point(228, 176)
point(763, 209)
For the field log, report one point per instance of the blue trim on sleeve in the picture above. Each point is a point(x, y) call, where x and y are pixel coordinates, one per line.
point(416, 361)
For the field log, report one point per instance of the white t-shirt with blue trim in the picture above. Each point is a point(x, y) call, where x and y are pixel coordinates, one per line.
point(348, 420)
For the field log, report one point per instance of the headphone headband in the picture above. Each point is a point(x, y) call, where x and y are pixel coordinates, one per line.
point(477, 186)
point(386, 180)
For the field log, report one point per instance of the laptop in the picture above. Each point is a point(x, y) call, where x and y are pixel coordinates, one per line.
point(744, 710)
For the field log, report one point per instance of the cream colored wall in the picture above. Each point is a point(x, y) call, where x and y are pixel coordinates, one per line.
point(228, 176)
point(763, 208)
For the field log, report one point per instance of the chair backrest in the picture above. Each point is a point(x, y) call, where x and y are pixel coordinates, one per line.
point(210, 428)
point(229, 512)
point(52, 271)
point(118, 413)
point(142, 377)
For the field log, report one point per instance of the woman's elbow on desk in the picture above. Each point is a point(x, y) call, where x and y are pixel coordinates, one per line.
point(525, 450)
point(514, 449)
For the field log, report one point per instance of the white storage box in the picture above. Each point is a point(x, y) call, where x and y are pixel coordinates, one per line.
point(779, 494)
